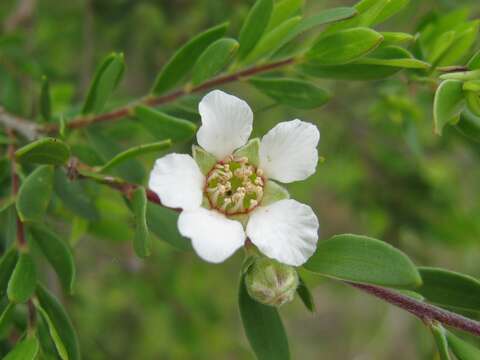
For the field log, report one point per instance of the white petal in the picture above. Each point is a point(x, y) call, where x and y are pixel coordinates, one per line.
point(177, 181)
point(226, 123)
point(288, 152)
point(286, 231)
point(214, 237)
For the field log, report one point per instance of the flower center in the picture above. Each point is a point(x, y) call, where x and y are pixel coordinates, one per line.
point(234, 186)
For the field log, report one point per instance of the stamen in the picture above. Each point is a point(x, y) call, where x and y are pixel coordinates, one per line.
point(234, 186)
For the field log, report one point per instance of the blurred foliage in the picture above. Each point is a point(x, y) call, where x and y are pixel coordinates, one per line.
point(384, 174)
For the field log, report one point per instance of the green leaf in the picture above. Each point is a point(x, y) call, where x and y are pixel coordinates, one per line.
point(365, 260)
point(155, 147)
point(45, 101)
point(24, 350)
point(450, 289)
point(141, 240)
point(473, 101)
point(54, 335)
point(163, 223)
point(6, 317)
point(472, 85)
point(448, 104)
point(396, 38)
point(344, 46)
point(322, 18)
point(23, 280)
point(34, 194)
point(384, 12)
point(183, 60)
point(60, 326)
point(305, 295)
point(360, 69)
point(466, 36)
point(273, 40)
point(406, 63)
point(73, 196)
point(284, 10)
point(474, 62)
point(292, 92)
point(274, 192)
point(44, 151)
point(58, 254)
point(7, 203)
point(214, 59)
point(7, 264)
point(251, 150)
point(130, 170)
point(254, 26)
point(263, 327)
point(106, 79)
point(164, 126)
point(204, 159)
point(462, 349)
point(439, 334)
point(469, 125)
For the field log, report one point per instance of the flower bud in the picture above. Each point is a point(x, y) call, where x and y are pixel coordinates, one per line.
point(270, 282)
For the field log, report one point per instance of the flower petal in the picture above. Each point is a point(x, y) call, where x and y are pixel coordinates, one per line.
point(288, 152)
point(177, 181)
point(226, 123)
point(214, 237)
point(286, 231)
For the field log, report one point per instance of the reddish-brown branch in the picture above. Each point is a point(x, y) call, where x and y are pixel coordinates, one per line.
point(425, 312)
point(116, 114)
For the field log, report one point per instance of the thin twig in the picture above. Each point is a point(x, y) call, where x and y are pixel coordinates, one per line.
point(122, 112)
point(425, 312)
point(24, 127)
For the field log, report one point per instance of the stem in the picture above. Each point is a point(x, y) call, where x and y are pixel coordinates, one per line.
point(122, 112)
point(425, 312)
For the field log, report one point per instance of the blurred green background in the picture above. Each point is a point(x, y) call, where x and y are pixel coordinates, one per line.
point(384, 174)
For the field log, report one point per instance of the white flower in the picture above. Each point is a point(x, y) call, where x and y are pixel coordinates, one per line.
point(227, 192)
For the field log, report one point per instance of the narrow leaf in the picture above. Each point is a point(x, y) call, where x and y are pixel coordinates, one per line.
point(23, 280)
point(141, 241)
point(263, 327)
point(184, 59)
point(24, 350)
point(462, 349)
point(439, 334)
point(448, 104)
point(450, 289)
point(45, 101)
point(344, 46)
point(214, 59)
point(365, 260)
point(396, 38)
point(390, 8)
point(164, 126)
point(44, 151)
point(7, 264)
point(305, 295)
point(254, 26)
point(469, 125)
point(58, 254)
point(284, 10)
point(292, 92)
point(474, 62)
point(34, 194)
point(61, 328)
point(106, 79)
point(273, 40)
point(135, 152)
